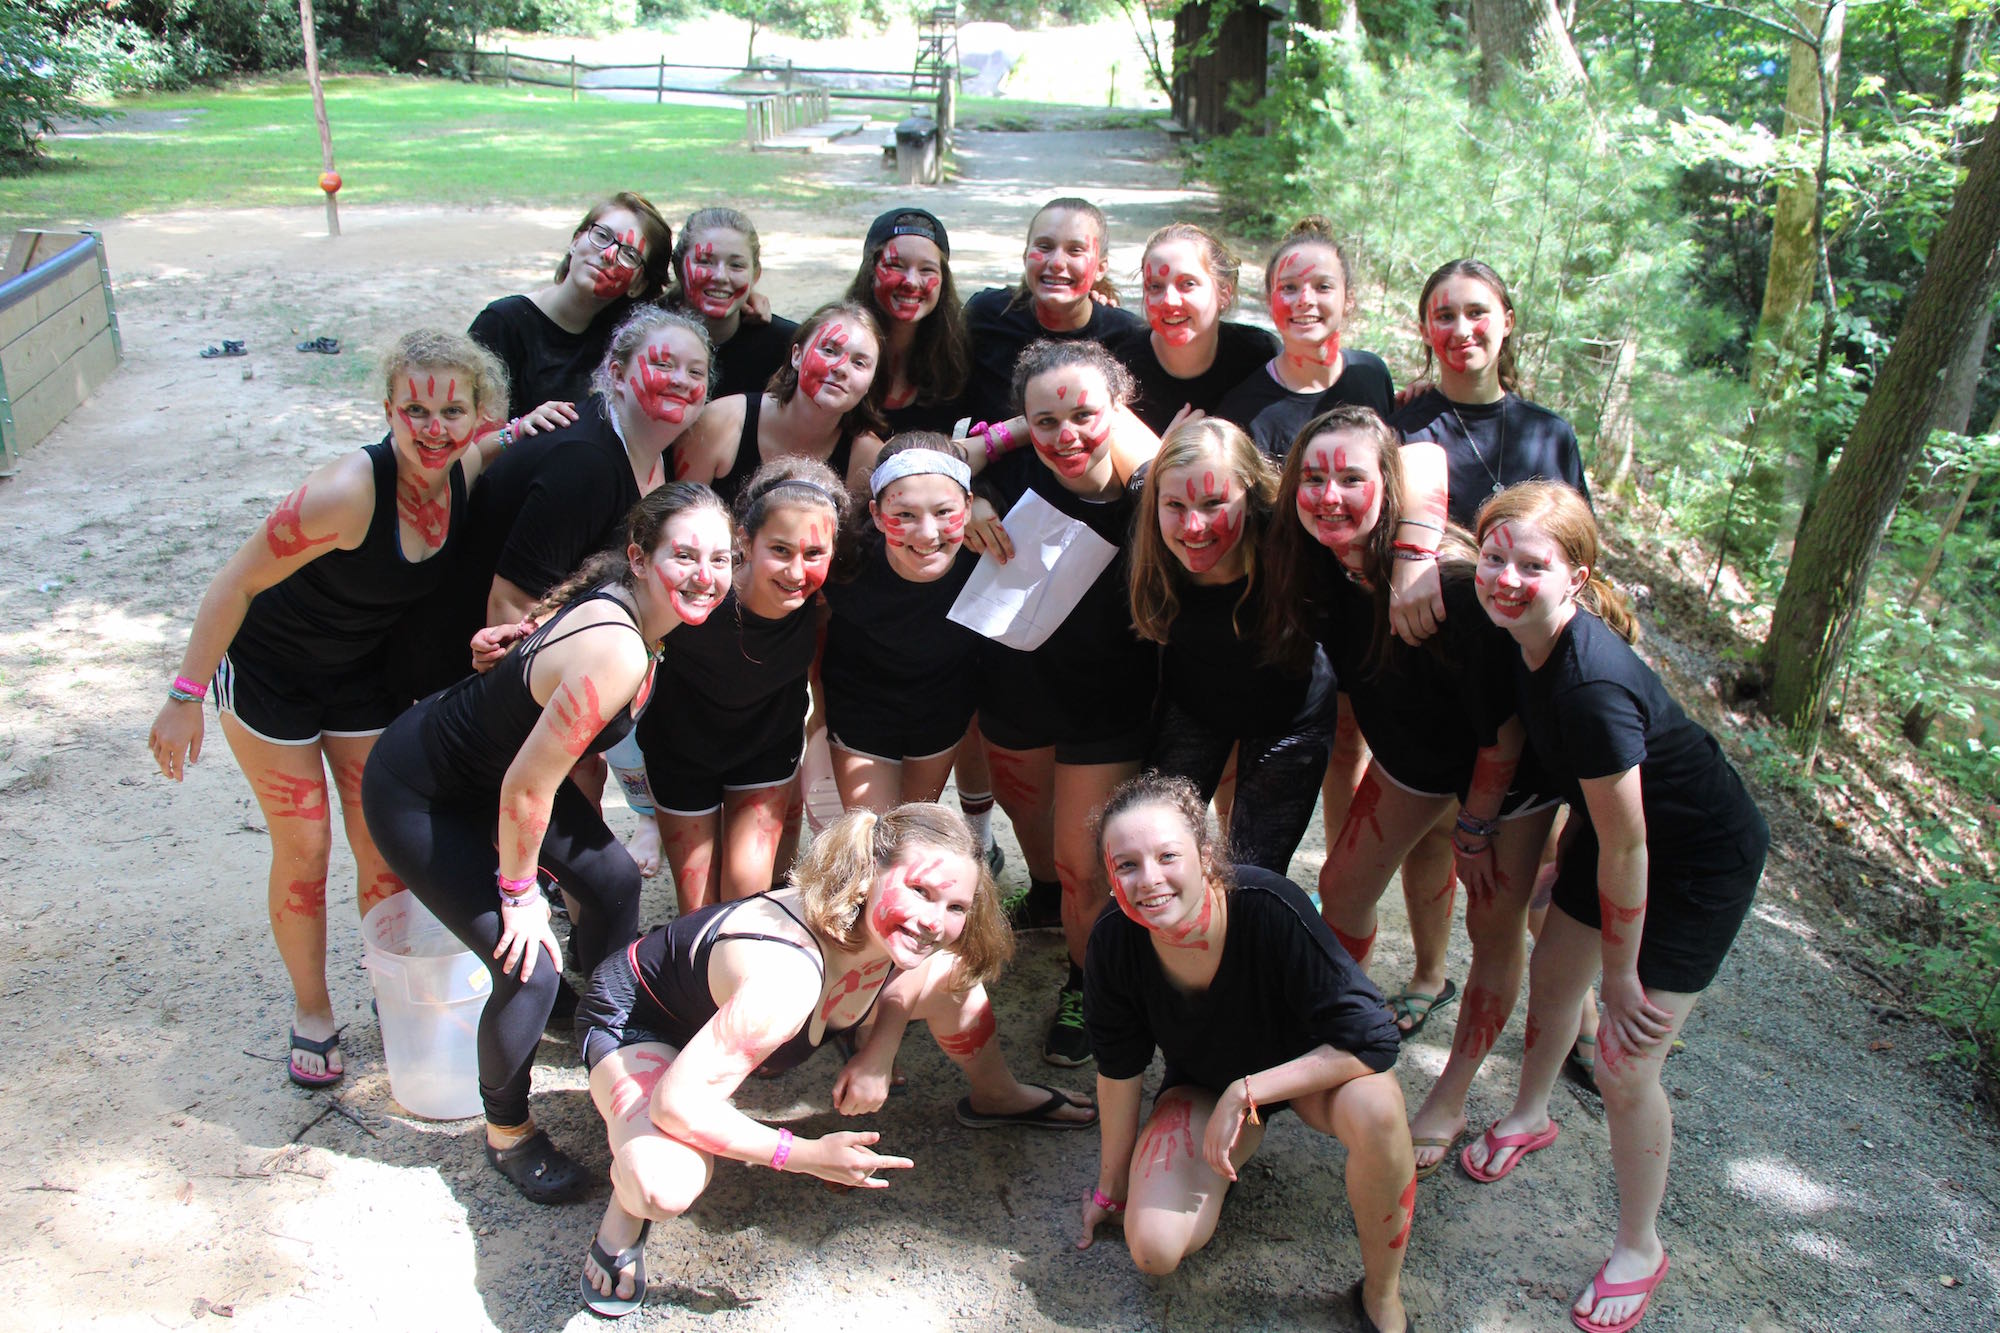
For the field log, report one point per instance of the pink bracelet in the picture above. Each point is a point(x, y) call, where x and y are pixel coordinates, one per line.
point(194, 687)
point(783, 1152)
point(514, 888)
point(1105, 1201)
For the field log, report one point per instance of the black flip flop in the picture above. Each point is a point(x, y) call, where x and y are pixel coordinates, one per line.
point(617, 1307)
point(1035, 1117)
point(331, 346)
point(1403, 1004)
point(314, 1082)
point(1579, 1070)
point(1369, 1325)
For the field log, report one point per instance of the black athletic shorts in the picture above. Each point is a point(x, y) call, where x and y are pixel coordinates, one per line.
point(1106, 718)
point(604, 1011)
point(1690, 920)
point(912, 727)
point(289, 706)
point(687, 781)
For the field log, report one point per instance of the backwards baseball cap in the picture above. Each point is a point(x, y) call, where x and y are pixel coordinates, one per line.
point(906, 222)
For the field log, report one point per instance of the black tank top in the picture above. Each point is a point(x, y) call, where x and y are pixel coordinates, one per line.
point(472, 731)
point(334, 614)
point(750, 456)
point(674, 999)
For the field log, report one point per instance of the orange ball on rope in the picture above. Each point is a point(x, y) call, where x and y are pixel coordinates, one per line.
point(330, 181)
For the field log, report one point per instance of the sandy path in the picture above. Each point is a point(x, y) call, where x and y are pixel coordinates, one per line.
point(159, 1160)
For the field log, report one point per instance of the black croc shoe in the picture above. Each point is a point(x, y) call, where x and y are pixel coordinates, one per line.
point(540, 1170)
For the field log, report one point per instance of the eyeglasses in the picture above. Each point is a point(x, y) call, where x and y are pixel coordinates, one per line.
point(603, 238)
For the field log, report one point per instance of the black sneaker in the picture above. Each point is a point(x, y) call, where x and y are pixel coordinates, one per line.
point(996, 860)
point(1068, 1043)
point(1037, 907)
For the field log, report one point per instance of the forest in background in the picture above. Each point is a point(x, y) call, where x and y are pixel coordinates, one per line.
point(1754, 247)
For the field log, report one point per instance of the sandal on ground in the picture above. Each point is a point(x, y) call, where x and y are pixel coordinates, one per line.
point(542, 1172)
point(1035, 1117)
point(331, 346)
point(634, 1257)
point(1416, 1007)
point(230, 347)
point(1578, 1067)
point(321, 1049)
point(1432, 1141)
point(1523, 1144)
point(1369, 1325)
point(1602, 1291)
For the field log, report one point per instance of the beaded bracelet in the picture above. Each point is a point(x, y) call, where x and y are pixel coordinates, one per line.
point(783, 1152)
point(1105, 1201)
point(1468, 822)
point(1413, 553)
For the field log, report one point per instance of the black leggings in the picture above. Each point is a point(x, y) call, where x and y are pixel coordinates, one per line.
point(1277, 778)
point(445, 853)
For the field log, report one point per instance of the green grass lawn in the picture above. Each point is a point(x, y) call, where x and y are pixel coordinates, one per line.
point(398, 140)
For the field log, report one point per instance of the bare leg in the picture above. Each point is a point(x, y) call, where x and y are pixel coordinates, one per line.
point(1344, 768)
point(1430, 885)
point(1176, 1196)
point(965, 1032)
point(347, 756)
point(689, 841)
point(653, 1177)
point(753, 826)
point(1498, 927)
point(865, 782)
point(1225, 796)
point(1024, 784)
point(1367, 1116)
point(289, 782)
point(1560, 970)
point(1079, 790)
point(1383, 823)
point(788, 835)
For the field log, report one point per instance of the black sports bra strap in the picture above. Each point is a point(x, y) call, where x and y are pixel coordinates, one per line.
point(817, 953)
point(595, 595)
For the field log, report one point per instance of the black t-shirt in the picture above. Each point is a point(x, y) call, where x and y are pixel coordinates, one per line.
point(998, 332)
point(941, 417)
point(752, 355)
point(1512, 440)
point(1595, 709)
point(551, 502)
point(1284, 987)
point(544, 360)
point(1215, 671)
point(1274, 414)
point(1240, 349)
point(1428, 713)
point(889, 636)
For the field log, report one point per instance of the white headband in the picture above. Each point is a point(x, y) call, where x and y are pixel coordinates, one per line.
point(915, 462)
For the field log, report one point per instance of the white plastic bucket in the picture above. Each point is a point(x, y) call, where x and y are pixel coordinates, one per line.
point(430, 991)
point(816, 776)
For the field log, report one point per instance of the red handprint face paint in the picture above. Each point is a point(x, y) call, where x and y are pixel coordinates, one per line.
point(1340, 490)
point(1182, 299)
point(1308, 302)
point(1069, 419)
point(693, 564)
point(919, 905)
point(1200, 512)
point(718, 271)
point(1523, 580)
point(836, 365)
point(1064, 259)
point(668, 376)
point(609, 253)
point(922, 519)
point(1466, 324)
point(908, 273)
point(431, 416)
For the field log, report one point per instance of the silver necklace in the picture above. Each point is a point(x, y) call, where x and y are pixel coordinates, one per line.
point(1499, 451)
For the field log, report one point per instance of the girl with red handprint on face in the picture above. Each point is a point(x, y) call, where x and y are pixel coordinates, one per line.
point(1660, 863)
point(1231, 976)
point(294, 632)
point(471, 798)
point(717, 264)
point(1445, 795)
point(1196, 590)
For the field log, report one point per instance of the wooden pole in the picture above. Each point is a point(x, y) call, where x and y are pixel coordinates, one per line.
point(506, 67)
point(660, 94)
point(319, 112)
point(572, 77)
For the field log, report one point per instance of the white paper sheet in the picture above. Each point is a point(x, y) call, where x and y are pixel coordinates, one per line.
point(1056, 559)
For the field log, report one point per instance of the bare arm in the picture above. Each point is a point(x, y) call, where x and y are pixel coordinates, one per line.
point(1320, 1069)
point(1618, 818)
point(1133, 444)
point(1118, 1102)
point(1416, 596)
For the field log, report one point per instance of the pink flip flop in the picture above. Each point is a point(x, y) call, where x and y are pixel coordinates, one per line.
point(1523, 1143)
point(1602, 1291)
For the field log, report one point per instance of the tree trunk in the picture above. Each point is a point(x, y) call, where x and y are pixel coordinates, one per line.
point(1961, 375)
point(1828, 578)
point(1788, 284)
point(1615, 431)
point(1524, 36)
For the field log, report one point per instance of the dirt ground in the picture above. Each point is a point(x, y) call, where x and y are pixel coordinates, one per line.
point(1831, 1173)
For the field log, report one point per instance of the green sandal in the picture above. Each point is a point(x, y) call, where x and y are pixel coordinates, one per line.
point(1416, 1007)
point(1577, 1065)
